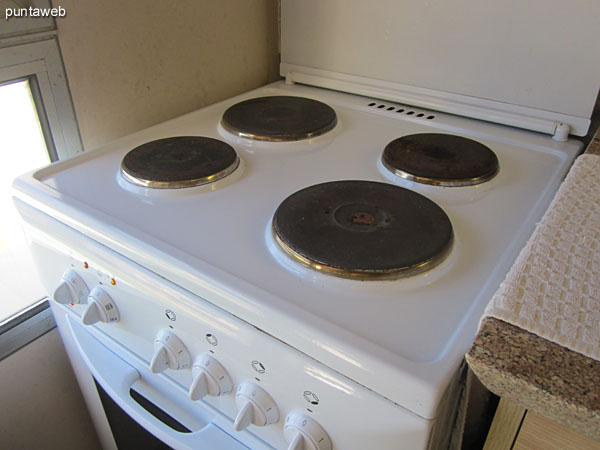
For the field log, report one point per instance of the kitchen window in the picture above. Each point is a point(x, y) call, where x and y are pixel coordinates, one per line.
point(33, 91)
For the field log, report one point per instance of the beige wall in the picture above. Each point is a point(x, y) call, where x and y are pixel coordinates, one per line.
point(42, 407)
point(136, 63)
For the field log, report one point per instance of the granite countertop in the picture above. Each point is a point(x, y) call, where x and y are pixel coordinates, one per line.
point(540, 375)
point(594, 147)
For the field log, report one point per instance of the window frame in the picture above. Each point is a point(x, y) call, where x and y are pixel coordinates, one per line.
point(41, 63)
point(36, 57)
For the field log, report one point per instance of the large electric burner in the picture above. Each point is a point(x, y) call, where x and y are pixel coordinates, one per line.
point(363, 230)
point(279, 118)
point(179, 162)
point(440, 159)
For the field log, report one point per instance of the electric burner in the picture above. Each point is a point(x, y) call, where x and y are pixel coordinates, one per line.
point(363, 230)
point(279, 118)
point(179, 162)
point(440, 159)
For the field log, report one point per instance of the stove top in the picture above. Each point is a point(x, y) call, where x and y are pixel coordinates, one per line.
point(217, 240)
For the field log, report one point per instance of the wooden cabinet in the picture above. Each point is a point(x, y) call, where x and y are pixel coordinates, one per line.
point(515, 428)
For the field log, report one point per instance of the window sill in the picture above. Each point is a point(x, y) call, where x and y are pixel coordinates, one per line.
point(24, 327)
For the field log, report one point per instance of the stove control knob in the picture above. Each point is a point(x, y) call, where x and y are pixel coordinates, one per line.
point(255, 407)
point(100, 308)
point(169, 353)
point(304, 433)
point(210, 378)
point(72, 289)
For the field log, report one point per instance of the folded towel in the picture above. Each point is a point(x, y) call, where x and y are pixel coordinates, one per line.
point(553, 288)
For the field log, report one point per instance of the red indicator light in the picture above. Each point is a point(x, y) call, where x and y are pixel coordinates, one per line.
point(85, 265)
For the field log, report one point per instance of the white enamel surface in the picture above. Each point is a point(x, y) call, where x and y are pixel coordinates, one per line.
point(402, 339)
point(149, 304)
point(94, 356)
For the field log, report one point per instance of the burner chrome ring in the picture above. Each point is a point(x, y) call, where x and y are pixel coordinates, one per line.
point(460, 182)
point(365, 275)
point(179, 184)
point(287, 138)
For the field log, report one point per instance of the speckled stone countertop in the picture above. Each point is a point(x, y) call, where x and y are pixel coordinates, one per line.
point(540, 375)
point(594, 147)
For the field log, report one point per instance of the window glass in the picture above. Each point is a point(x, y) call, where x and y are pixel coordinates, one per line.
point(23, 149)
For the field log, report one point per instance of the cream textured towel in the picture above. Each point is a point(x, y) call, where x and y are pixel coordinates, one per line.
point(553, 288)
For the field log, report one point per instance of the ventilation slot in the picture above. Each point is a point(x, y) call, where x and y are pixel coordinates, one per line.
point(402, 110)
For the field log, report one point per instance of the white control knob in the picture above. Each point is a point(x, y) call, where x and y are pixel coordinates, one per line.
point(72, 289)
point(100, 308)
point(210, 378)
point(304, 433)
point(169, 353)
point(255, 407)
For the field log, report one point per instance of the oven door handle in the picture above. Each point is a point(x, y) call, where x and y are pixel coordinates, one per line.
point(117, 378)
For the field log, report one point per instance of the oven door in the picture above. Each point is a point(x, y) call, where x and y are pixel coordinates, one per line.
point(143, 410)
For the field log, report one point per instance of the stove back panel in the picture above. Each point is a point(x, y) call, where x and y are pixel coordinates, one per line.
point(458, 56)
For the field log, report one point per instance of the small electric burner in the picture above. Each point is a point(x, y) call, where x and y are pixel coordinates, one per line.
point(279, 118)
point(363, 230)
point(179, 162)
point(440, 159)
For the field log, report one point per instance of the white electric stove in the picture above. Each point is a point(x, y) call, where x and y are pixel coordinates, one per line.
point(187, 297)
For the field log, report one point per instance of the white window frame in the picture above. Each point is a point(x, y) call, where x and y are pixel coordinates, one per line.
point(41, 63)
point(36, 57)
